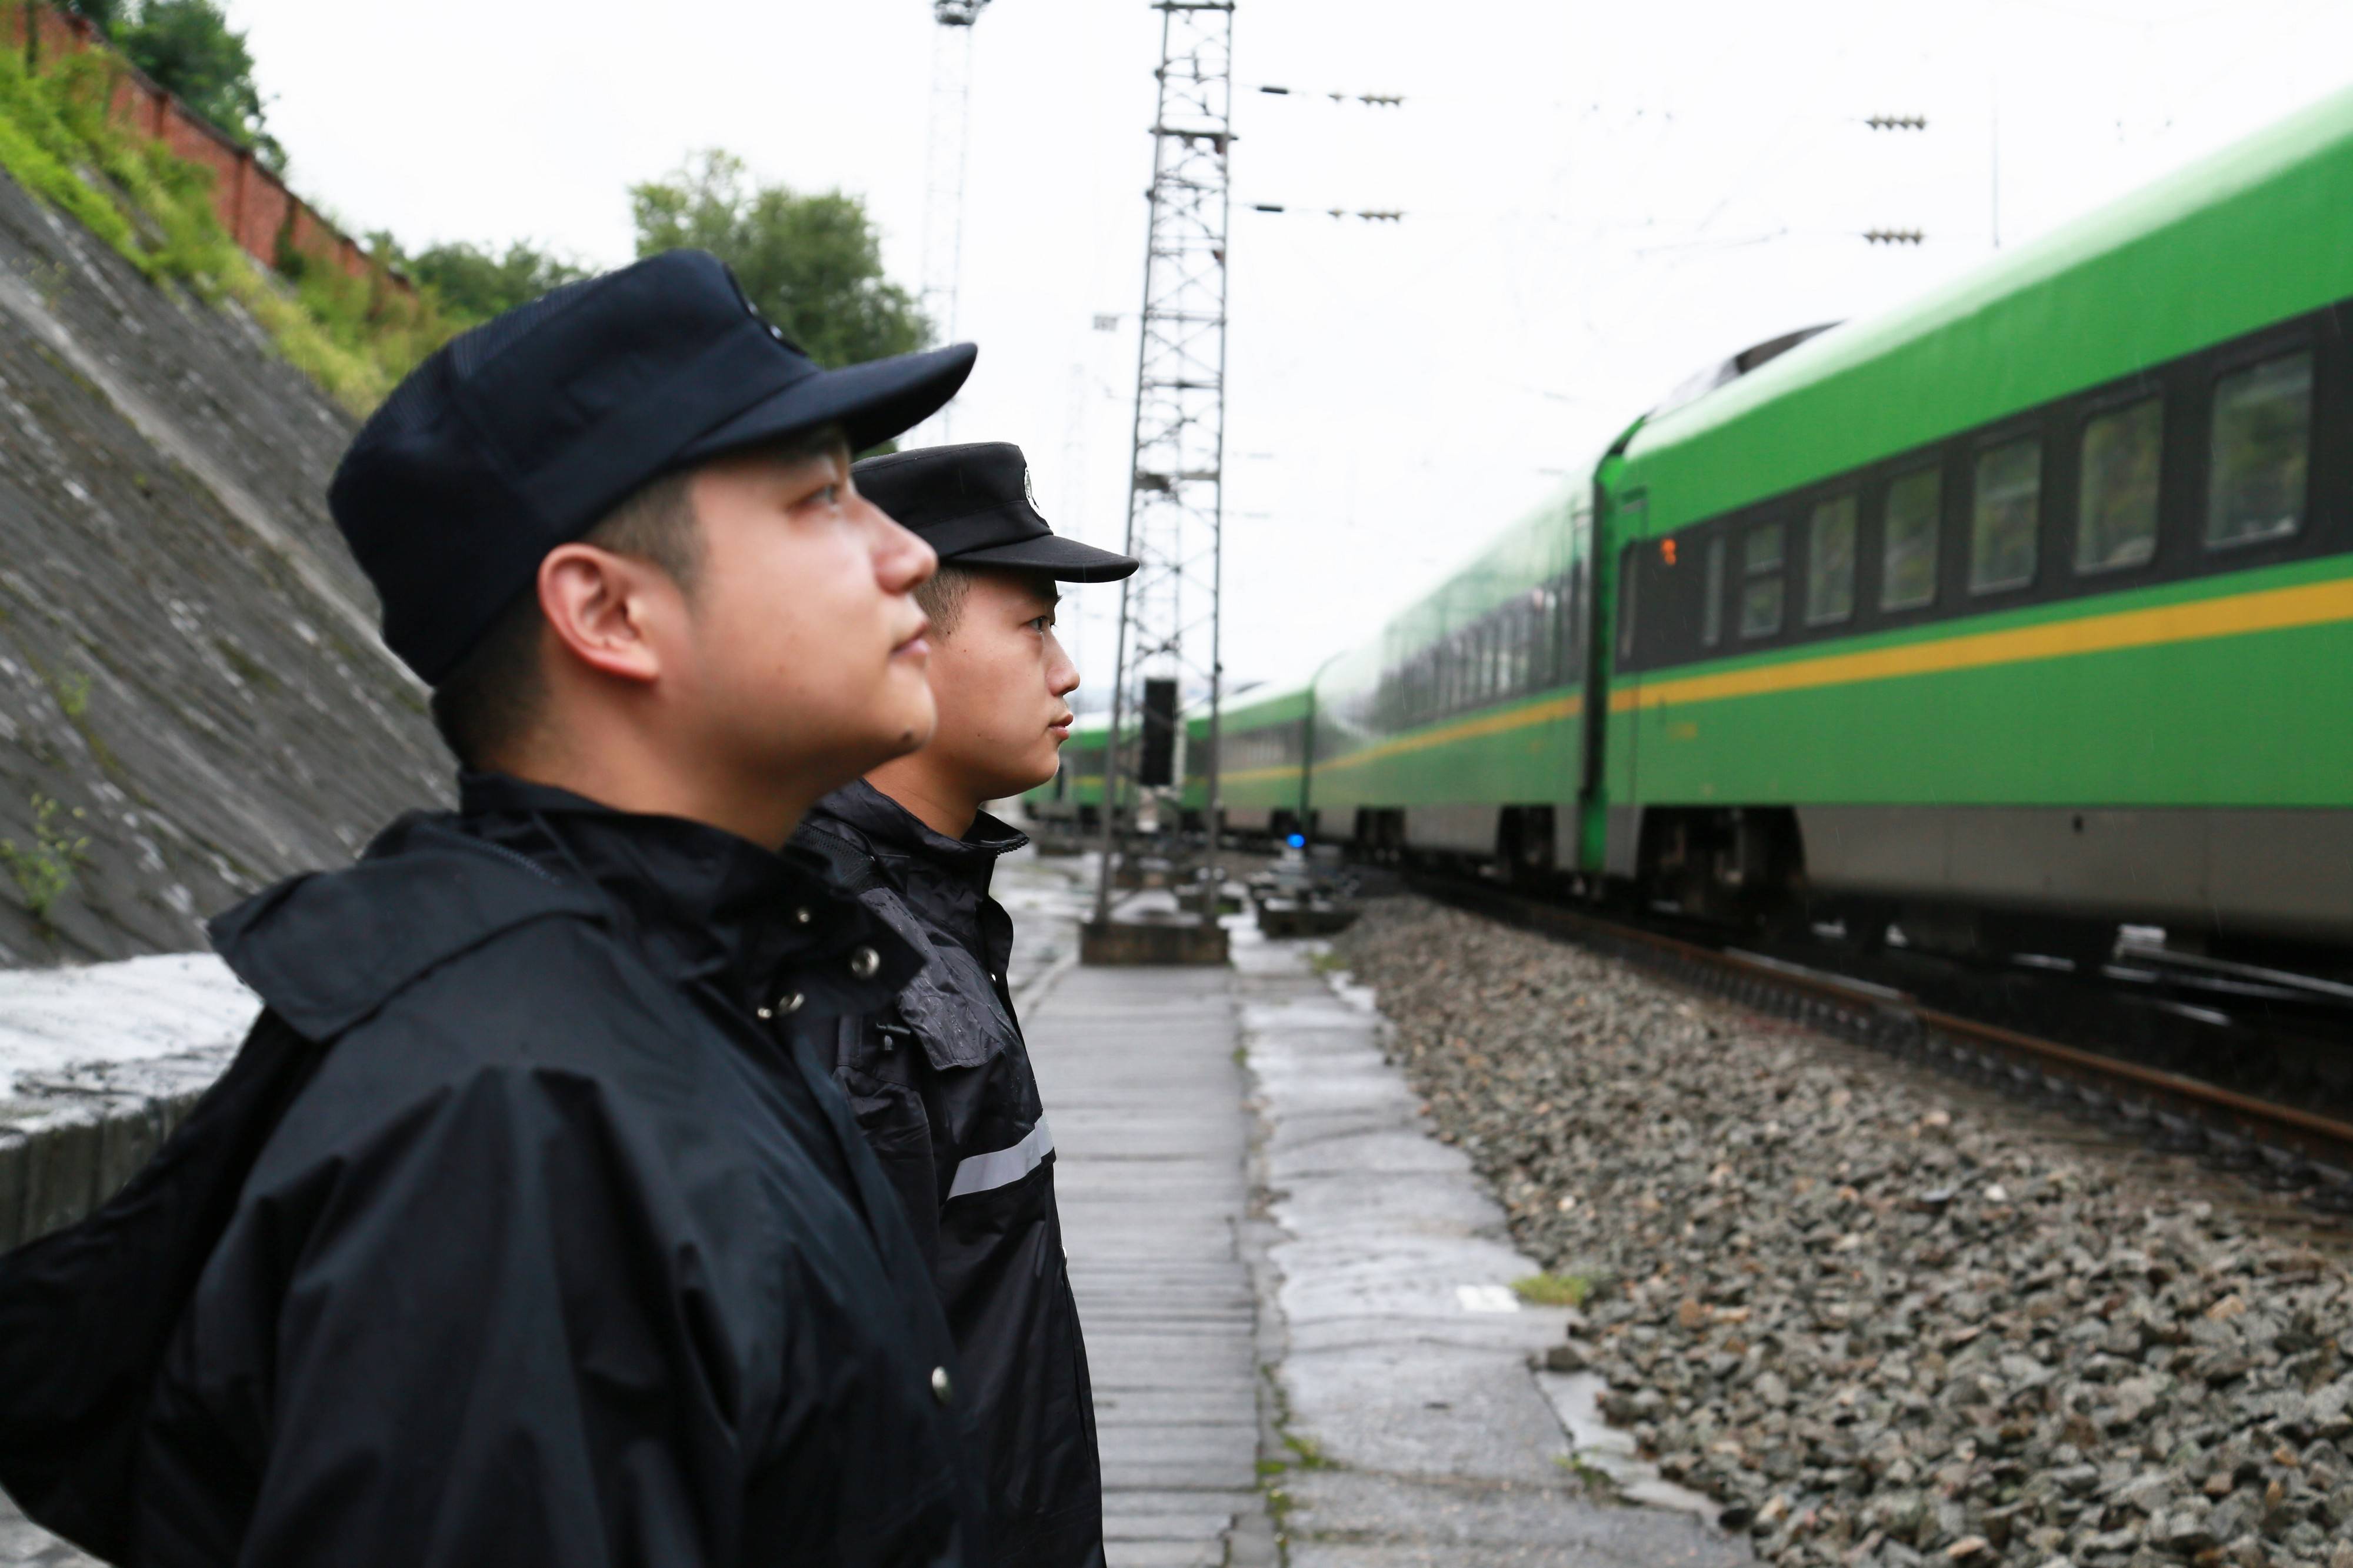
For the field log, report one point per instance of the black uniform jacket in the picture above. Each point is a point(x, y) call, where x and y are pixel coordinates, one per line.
point(514, 1237)
point(943, 1088)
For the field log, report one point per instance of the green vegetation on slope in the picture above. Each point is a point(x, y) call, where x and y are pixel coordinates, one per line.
point(356, 337)
point(812, 263)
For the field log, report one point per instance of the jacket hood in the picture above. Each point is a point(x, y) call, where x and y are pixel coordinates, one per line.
point(327, 949)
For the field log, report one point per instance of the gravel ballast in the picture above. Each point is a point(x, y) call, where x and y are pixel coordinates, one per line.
point(1881, 1318)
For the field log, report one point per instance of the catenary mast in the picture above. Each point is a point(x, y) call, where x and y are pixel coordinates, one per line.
point(1168, 624)
point(944, 178)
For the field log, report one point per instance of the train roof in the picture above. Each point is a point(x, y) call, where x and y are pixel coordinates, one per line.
point(1284, 705)
point(2126, 285)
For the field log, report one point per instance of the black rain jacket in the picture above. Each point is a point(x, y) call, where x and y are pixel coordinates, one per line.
point(527, 1231)
point(943, 1088)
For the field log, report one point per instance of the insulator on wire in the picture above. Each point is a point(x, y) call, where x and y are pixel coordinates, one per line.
point(1371, 99)
point(1892, 235)
point(1899, 122)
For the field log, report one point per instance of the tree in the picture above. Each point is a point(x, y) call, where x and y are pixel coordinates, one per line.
point(190, 50)
point(475, 283)
point(812, 263)
point(103, 12)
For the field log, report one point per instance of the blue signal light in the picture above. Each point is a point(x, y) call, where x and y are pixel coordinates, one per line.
point(1297, 841)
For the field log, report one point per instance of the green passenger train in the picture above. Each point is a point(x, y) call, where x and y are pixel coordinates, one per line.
point(2018, 612)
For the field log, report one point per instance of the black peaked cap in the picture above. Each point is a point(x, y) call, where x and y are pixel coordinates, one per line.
point(973, 505)
point(524, 433)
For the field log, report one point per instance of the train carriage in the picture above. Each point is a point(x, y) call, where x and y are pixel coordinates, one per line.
point(1260, 779)
point(1458, 730)
point(2023, 610)
point(2031, 602)
point(2016, 613)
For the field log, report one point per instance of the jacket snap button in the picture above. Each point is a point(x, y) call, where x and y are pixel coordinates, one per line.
point(801, 915)
point(864, 962)
point(942, 1389)
point(791, 1003)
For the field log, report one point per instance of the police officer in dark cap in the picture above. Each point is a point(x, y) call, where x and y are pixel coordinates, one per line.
point(529, 1227)
point(941, 1082)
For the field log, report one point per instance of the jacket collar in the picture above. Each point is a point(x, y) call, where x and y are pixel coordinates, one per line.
point(888, 828)
point(705, 906)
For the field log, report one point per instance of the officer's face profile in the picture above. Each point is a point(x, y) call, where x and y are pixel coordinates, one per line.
point(800, 644)
point(1000, 675)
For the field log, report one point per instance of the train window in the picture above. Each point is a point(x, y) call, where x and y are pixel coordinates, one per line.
point(2006, 511)
point(1710, 615)
point(1907, 574)
point(1761, 593)
point(2115, 517)
point(2262, 446)
point(1830, 562)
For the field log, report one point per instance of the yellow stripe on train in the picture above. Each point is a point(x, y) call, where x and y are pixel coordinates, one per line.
point(2275, 609)
point(1566, 707)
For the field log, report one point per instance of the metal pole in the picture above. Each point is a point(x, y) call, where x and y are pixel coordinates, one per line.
point(1217, 804)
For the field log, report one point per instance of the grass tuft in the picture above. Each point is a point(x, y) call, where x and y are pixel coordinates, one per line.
point(1554, 1289)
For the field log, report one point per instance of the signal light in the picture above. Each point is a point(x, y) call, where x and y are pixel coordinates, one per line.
point(1667, 551)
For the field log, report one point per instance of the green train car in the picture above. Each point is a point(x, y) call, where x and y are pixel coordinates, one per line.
point(2016, 613)
point(1263, 782)
point(2031, 602)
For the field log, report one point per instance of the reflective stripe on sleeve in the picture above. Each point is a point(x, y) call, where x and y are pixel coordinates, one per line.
point(1002, 1168)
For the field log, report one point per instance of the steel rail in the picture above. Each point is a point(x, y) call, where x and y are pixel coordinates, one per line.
point(2325, 1141)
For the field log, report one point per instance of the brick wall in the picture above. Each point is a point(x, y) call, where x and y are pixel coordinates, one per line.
point(267, 221)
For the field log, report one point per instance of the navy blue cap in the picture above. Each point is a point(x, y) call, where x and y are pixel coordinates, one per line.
point(973, 505)
point(525, 432)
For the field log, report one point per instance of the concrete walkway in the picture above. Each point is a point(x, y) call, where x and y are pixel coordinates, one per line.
point(1146, 1102)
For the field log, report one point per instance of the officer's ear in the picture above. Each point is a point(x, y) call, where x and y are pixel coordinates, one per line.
point(611, 613)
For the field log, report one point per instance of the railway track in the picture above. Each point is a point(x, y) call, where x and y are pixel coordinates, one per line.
point(2282, 1146)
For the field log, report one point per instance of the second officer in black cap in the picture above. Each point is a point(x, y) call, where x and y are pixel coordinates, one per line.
point(942, 1083)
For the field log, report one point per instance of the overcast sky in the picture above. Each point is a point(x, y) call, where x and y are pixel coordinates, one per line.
point(1600, 199)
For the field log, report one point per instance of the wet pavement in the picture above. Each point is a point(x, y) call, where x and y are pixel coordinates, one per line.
point(1411, 1425)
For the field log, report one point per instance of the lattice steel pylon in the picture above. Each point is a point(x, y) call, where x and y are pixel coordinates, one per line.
point(944, 175)
point(1169, 621)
